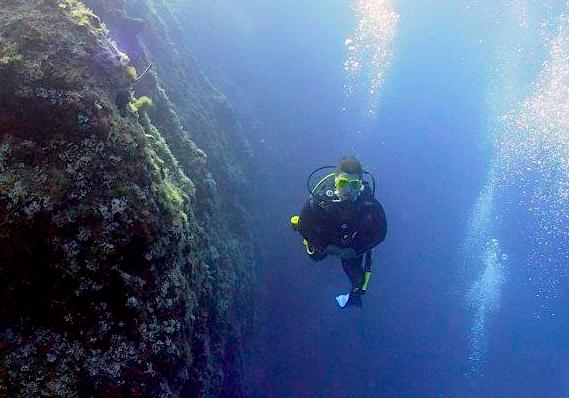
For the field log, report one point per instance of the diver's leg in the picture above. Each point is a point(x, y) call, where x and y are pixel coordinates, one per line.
point(353, 268)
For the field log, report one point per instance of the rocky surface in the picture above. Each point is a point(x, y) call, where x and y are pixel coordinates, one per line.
point(127, 261)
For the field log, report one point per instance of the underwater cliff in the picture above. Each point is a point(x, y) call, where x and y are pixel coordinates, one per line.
point(128, 262)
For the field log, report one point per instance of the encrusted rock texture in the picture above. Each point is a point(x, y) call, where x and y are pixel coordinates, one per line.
point(126, 261)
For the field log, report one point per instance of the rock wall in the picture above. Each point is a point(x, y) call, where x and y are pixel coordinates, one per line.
point(127, 258)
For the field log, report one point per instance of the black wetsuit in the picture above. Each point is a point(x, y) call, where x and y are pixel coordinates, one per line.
point(359, 225)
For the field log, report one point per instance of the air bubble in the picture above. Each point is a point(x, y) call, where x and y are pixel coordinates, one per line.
point(370, 51)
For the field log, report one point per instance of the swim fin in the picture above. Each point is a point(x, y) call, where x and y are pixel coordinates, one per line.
point(347, 300)
point(343, 300)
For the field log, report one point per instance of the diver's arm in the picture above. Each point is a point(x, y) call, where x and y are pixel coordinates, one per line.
point(374, 228)
point(312, 226)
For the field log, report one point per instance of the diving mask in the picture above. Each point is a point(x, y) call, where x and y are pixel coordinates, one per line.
point(343, 182)
point(348, 188)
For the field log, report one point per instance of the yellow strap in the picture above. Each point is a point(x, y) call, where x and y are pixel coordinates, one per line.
point(367, 276)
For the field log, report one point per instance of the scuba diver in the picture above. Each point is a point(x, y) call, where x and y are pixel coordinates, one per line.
point(343, 218)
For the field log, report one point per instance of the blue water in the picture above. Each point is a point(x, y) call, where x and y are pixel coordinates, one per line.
point(468, 294)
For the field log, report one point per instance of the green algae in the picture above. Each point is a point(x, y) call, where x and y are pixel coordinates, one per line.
point(131, 73)
point(141, 103)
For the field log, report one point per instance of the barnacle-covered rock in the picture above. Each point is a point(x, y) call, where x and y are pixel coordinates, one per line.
point(116, 279)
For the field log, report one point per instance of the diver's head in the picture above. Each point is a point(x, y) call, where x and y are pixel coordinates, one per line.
point(349, 178)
